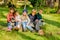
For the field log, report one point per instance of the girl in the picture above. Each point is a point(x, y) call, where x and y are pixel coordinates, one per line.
point(17, 20)
point(9, 18)
point(25, 21)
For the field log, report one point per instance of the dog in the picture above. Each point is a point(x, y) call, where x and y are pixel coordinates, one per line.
point(41, 32)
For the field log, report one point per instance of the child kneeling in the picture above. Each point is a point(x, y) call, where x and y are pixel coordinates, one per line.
point(25, 21)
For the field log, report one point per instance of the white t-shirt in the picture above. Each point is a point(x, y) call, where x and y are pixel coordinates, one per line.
point(18, 18)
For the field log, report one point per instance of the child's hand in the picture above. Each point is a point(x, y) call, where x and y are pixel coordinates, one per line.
point(36, 20)
point(9, 21)
point(20, 20)
point(40, 11)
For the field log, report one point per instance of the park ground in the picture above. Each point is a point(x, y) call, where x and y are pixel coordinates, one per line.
point(52, 25)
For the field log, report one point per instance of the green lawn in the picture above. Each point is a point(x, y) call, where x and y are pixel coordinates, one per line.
point(52, 25)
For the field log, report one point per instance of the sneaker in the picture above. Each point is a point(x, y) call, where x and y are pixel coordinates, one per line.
point(33, 31)
point(16, 28)
point(8, 29)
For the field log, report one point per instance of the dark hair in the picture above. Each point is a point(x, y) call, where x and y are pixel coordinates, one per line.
point(14, 12)
point(25, 10)
point(11, 8)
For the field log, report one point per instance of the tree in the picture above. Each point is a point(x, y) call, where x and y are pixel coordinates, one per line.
point(33, 2)
point(50, 3)
point(37, 3)
point(5, 2)
point(59, 4)
point(58, 11)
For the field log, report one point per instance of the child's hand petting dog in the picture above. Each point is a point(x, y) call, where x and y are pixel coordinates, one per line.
point(36, 20)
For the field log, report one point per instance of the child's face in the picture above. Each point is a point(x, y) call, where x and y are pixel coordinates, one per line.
point(17, 13)
point(12, 11)
point(40, 11)
point(33, 14)
point(24, 13)
point(34, 11)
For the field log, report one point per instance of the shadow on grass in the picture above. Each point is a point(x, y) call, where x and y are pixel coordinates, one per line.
point(2, 15)
point(3, 9)
point(48, 37)
point(25, 37)
point(51, 37)
point(3, 24)
point(54, 23)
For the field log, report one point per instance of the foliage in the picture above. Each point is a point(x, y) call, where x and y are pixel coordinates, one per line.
point(33, 2)
point(37, 3)
point(10, 5)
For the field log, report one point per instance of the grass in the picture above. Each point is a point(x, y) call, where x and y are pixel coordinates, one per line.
point(52, 25)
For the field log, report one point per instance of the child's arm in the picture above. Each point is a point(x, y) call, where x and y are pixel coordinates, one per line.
point(8, 18)
point(18, 19)
point(15, 18)
point(28, 20)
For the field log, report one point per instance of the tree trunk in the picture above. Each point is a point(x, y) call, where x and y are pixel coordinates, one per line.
point(48, 2)
point(25, 4)
point(5, 2)
point(56, 2)
point(52, 3)
point(59, 4)
point(58, 8)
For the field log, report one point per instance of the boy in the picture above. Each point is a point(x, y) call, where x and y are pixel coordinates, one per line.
point(33, 17)
point(39, 21)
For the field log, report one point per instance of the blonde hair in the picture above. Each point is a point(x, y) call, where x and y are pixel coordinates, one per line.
point(24, 17)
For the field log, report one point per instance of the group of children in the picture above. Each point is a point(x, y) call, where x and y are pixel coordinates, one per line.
point(33, 21)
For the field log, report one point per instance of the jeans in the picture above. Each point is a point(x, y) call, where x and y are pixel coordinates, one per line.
point(9, 25)
point(38, 24)
point(16, 24)
point(25, 26)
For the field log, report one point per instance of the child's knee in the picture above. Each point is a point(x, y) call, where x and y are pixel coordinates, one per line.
point(9, 24)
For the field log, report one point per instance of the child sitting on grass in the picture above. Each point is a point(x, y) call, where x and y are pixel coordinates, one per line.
point(10, 17)
point(25, 21)
point(17, 20)
point(39, 21)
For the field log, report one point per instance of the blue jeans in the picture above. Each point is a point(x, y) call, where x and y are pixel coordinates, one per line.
point(15, 24)
point(10, 25)
point(38, 25)
point(24, 24)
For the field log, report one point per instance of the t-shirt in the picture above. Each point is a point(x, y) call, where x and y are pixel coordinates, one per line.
point(32, 18)
point(39, 16)
point(18, 18)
